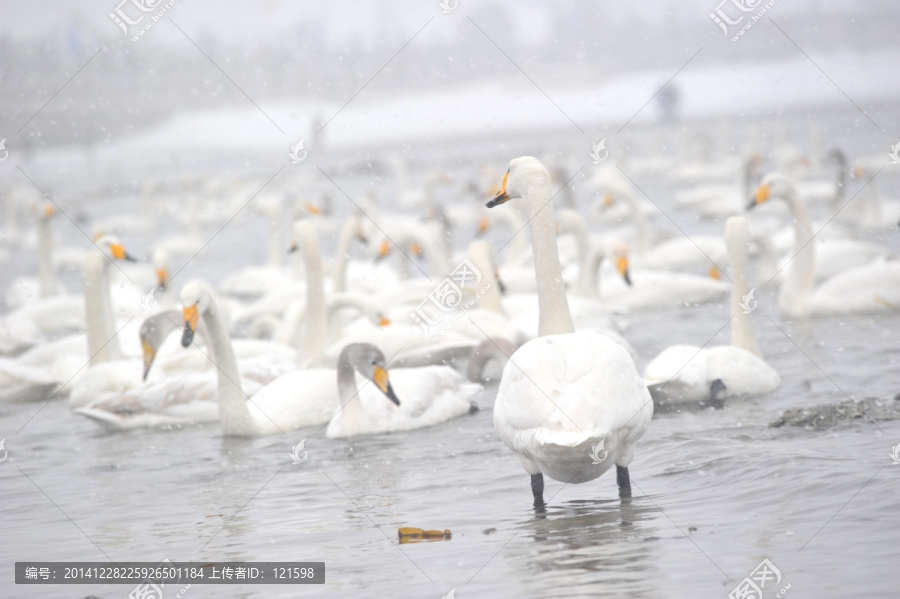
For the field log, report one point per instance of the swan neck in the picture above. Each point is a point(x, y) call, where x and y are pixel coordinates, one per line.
point(342, 253)
point(743, 334)
point(800, 279)
point(640, 223)
point(103, 346)
point(553, 307)
point(486, 292)
point(233, 411)
point(46, 273)
point(351, 408)
point(588, 270)
point(316, 318)
point(276, 242)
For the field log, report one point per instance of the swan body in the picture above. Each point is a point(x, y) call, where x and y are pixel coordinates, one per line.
point(543, 413)
point(652, 290)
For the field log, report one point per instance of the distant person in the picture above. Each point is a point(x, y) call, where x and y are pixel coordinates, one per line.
point(667, 99)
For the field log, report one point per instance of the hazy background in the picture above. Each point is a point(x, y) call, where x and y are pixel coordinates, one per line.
point(301, 61)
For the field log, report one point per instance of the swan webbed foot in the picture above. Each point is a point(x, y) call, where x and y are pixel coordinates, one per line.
point(537, 489)
point(624, 481)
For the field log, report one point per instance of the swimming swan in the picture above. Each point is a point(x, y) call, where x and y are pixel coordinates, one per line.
point(685, 373)
point(874, 287)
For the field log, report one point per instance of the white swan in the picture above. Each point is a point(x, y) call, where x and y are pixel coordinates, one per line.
point(651, 290)
point(721, 200)
point(253, 281)
point(427, 396)
point(875, 212)
point(182, 388)
point(107, 371)
point(570, 405)
point(27, 290)
point(874, 287)
point(685, 373)
point(295, 400)
point(42, 319)
point(303, 402)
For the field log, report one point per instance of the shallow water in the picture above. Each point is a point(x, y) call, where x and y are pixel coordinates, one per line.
point(715, 491)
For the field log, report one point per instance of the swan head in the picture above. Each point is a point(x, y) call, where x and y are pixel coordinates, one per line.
point(195, 300)
point(384, 248)
point(44, 210)
point(113, 248)
point(303, 235)
point(154, 331)
point(160, 261)
point(484, 225)
point(525, 173)
point(773, 185)
point(369, 361)
point(618, 250)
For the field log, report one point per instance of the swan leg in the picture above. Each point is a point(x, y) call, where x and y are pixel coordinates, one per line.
point(537, 488)
point(716, 387)
point(623, 480)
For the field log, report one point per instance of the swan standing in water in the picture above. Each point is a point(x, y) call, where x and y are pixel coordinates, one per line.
point(570, 405)
point(686, 373)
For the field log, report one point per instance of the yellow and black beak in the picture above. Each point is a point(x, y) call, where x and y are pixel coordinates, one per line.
point(762, 194)
point(500, 285)
point(381, 379)
point(162, 278)
point(383, 321)
point(622, 267)
point(149, 356)
point(293, 248)
point(502, 196)
point(191, 316)
point(608, 200)
point(714, 273)
point(119, 253)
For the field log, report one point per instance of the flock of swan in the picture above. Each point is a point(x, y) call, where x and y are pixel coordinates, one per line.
point(333, 344)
